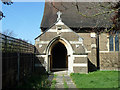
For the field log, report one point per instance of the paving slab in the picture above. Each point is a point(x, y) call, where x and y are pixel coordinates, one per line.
point(50, 78)
point(59, 85)
point(59, 81)
point(61, 76)
point(71, 85)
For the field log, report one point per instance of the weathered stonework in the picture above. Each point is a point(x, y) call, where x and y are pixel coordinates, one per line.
point(109, 61)
point(77, 44)
point(79, 49)
point(71, 36)
point(41, 49)
point(47, 36)
point(80, 69)
point(87, 40)
point(72, 41)
point(103, 42)
point(80, 60)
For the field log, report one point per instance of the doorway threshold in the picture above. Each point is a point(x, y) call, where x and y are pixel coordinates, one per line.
point(65, 72)
point(60, 71)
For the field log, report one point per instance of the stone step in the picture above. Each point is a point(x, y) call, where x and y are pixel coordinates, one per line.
point(61, 72)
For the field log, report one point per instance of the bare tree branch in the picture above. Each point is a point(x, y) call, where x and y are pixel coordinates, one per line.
point(7, 2)
point(1, 15)
point(7, 32)
point(64, 6)
point(54, 6)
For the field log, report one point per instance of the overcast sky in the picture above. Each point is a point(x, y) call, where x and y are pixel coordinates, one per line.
point(23, 18)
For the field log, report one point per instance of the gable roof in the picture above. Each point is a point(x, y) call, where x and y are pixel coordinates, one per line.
point(58, 23)
point(74, 19)
point(46, 30)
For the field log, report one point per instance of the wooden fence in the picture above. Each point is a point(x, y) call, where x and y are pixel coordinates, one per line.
point(17, 60)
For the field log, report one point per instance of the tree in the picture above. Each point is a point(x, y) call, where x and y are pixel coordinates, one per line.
point(6, 2)
point(1, 15)
point(116, 18)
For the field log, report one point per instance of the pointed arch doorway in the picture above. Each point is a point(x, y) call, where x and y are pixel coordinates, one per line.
point(56, 47)
point(59, 57)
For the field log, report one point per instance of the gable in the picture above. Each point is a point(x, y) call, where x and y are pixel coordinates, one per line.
point(54, 31)
point(64, 32)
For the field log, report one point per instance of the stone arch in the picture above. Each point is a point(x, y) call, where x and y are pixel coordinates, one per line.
point(69, 52)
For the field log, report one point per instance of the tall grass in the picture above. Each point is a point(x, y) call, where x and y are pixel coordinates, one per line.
point(35, 81)
point(53, 82)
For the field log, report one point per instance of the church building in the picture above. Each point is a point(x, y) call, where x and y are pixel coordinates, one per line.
point(70, 41)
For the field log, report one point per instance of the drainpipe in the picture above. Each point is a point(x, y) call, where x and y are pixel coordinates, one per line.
point(97, 50)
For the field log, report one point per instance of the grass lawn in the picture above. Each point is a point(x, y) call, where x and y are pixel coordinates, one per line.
point(97, 79)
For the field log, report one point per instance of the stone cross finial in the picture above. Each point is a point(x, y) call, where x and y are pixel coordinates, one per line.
point(59, 14)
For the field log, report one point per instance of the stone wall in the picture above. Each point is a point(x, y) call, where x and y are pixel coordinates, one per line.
point(90, 45)
point(73, 39)
point(80, 60)
point(109, 61)
point(42, 42)
point(87, 40)
point(103, 42)
point(80, 69)
point(80, 64)
point(79, 49)
point(71, 36)
point(39, 64)
point(47, 36)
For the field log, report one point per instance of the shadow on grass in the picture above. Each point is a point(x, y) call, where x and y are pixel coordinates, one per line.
point(35, 81)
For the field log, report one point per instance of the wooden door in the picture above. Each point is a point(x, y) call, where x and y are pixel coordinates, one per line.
point(50, 62)
point(66, 61)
